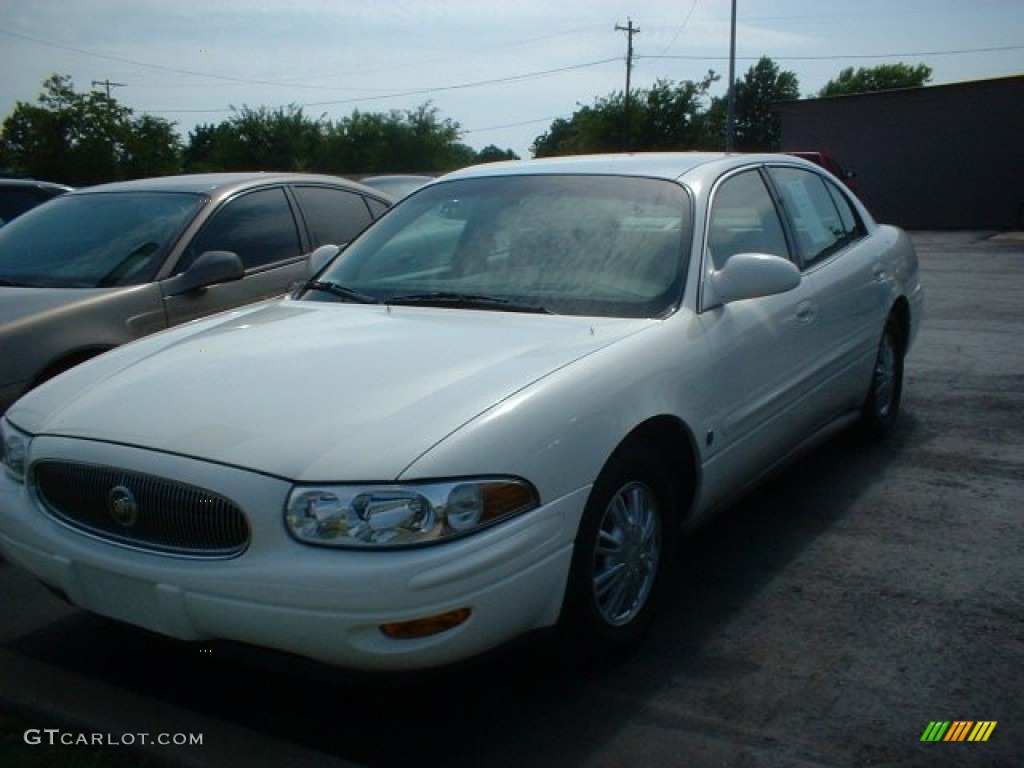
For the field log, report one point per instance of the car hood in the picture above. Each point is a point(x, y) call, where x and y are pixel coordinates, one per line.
point(309, 391)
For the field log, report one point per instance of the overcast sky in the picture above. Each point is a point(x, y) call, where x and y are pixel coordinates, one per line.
point(501, 69)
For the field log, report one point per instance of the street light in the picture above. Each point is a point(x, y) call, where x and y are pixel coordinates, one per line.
point(730, 120)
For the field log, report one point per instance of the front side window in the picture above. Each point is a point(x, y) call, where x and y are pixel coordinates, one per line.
point(583, 245)
point(94, 240)
point(823, 220)
point(744, 219)
point(258, 226)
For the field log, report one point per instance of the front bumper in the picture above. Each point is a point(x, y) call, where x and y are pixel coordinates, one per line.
point(324, 604)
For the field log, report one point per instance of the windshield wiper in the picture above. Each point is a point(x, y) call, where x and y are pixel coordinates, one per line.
point(466, 301)
point(337, 289)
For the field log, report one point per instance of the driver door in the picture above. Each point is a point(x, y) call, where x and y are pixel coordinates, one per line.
point(764, 349)
point(260, 227)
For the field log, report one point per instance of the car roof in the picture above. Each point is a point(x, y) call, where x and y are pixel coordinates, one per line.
point(210, 183)
point(396, 177)
point(35, 183)
point(665, 165)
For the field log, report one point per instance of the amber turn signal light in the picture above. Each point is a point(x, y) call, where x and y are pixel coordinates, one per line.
point(427, 626)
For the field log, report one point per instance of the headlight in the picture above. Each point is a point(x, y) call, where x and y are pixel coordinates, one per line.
point(13, 450)
point(403, 515)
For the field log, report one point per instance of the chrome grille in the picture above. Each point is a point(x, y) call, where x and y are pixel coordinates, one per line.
point(141, 510)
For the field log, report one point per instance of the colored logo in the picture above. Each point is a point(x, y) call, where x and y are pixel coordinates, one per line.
point(958, 730)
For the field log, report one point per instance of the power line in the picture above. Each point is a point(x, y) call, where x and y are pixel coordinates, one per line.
point(520, 124)
point(475, 84)
point(421, 91)
point(286, 83)
point(134, 62)
point(840, 57)
point(392, 66)
point(396, 94)
point(693, 7)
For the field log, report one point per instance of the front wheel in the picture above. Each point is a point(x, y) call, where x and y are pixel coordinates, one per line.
point(620, 554)
point(882, 404)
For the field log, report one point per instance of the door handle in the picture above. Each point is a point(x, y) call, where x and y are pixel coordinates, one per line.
point(879, 273)
point(805, 312)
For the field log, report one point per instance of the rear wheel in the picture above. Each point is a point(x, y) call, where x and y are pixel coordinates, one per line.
point(882, 405)
point(621, 553)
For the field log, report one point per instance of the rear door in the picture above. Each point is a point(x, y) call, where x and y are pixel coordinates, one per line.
point(333, 216)
point(850, 282)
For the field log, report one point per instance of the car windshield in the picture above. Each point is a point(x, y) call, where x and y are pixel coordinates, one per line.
point(94, 240)
point(580, 245)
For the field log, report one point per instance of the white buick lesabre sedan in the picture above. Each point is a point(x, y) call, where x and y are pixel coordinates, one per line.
point(492, 413)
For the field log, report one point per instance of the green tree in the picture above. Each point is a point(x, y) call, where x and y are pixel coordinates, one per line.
point(85, 138)
point(406, 141)
point(667, 116)
point(492, 154)
point(260, 139)
point(411, 141)
point(205, 145)
point(591, 129)
point(884, 77)
point(151, 148)
point(672, 115)
point(758, 95)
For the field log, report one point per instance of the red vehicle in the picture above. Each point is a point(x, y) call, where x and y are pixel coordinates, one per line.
point(830, 164)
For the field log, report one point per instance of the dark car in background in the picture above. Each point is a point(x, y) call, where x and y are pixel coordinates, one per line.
point(20, 195)
point(395, 184)
point(102, 266)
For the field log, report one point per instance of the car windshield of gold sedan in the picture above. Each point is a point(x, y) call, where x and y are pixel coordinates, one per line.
point(579, 245)
point(94, 240)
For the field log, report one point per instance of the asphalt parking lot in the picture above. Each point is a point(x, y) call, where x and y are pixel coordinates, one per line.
point(827, 620)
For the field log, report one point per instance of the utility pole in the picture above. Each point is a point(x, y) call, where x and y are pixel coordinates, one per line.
point(730, 120)
point(630, 30)
point(108, 84)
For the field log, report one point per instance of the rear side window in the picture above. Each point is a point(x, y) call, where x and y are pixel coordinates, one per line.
point(852, 222)
point(258, 226)
point(823, 219)
point(334, 216)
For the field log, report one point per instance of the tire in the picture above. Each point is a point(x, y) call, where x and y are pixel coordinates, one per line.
point(882, 404)
point(620, 556)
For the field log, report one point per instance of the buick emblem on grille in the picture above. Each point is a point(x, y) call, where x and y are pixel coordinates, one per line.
point(123, 508)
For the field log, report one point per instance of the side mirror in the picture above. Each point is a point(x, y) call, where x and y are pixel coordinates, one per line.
point(318, 259)
point(754, 275)
point(211, 268)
